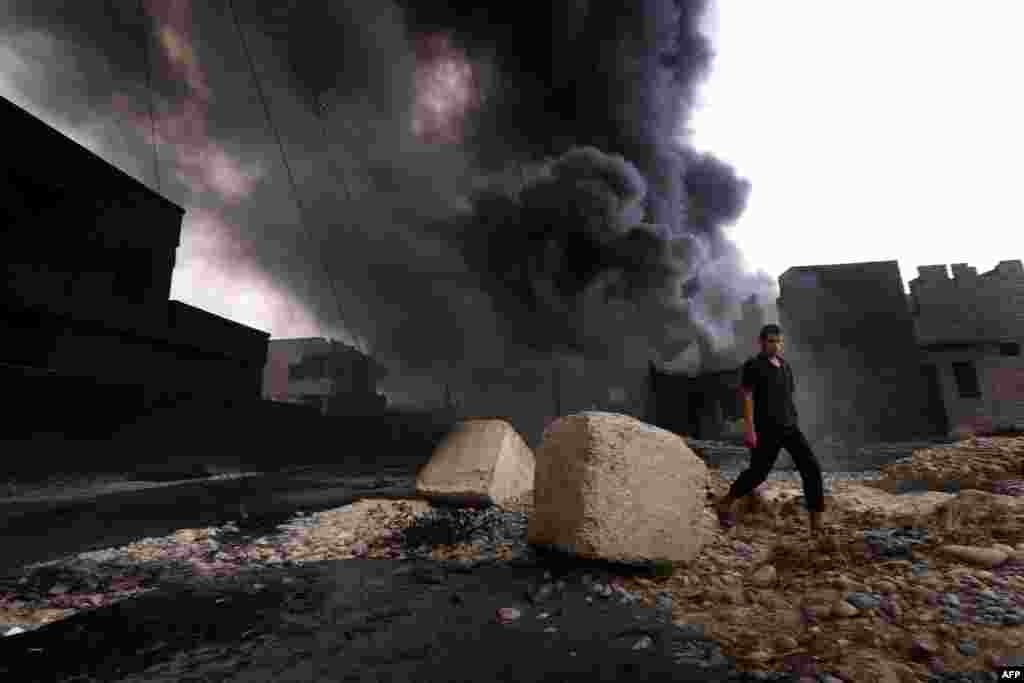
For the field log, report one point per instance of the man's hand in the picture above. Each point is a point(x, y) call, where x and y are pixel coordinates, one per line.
point(750, 438)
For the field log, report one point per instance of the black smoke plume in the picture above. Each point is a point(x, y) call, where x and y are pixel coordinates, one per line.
point(574, 217)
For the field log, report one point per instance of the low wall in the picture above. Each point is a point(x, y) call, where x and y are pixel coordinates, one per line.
point(42, 401)
point(257, 436)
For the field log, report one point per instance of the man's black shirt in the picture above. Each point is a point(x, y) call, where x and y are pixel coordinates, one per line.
point(773, 392)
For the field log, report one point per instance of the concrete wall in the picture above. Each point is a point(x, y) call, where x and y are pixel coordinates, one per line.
point(978, 319)
point(1000, 379)
point(161, 366)
point(969, 307)
point(48, 402)
point(851, 336)
point(253, 435)
point(66, 392)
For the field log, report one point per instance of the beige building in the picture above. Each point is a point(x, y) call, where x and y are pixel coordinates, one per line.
point(971, 328)
point(331, 376)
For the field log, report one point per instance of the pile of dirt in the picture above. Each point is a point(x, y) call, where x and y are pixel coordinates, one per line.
point(982, 463)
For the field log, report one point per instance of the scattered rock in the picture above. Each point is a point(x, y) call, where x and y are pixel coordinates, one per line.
point(542, 593)
point(644, 643)
point(843, 609)
point(922, 648)
point(764, 577)
point(968, 648)
point(784, 643)
point(982, 557)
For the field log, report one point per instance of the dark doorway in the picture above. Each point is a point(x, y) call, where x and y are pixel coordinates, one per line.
point(967, 380)
point(937, 415)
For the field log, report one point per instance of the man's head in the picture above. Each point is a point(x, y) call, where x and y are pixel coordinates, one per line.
point(771, 339)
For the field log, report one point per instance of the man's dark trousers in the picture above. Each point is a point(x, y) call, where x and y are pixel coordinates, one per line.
point(762, 460)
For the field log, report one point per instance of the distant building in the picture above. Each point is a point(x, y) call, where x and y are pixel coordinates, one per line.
point(971, 328)
point(860, 374)
point(873, 363)
point(328, 375)
point(89, 336)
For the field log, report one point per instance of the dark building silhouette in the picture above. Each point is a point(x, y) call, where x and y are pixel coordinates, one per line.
point(861, 374)
point(89, 337)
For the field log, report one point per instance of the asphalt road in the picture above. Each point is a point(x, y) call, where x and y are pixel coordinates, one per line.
point(46, 530)
point(363, 620)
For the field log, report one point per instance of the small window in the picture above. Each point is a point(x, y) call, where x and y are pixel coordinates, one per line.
point(967, 380)
point(301, 371)
point(310, 367)
point(1009, 349)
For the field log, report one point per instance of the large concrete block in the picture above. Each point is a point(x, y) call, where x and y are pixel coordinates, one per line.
point(611, 487)
point(480, 463)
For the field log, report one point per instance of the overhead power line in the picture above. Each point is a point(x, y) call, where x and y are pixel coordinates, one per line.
point(152, 94)
point(342, 176)
point(284, 157)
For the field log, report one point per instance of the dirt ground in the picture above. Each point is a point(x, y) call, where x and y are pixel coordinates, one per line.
point(773, 600)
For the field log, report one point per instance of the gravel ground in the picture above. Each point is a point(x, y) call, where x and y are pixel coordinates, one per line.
point(493, 529)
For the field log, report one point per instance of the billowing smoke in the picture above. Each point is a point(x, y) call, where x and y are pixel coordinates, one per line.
point(567, 261)
point(474, 200)
point(606, 103)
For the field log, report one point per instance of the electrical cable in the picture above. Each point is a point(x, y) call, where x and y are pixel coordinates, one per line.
point(152, 94)
point(284, 157)
point(321, 109)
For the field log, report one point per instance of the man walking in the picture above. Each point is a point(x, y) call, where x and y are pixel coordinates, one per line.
point(767, 386)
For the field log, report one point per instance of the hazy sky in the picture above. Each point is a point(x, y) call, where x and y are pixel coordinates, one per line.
point(870, 130)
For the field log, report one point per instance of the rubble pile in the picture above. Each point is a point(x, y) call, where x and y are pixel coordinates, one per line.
point(894, 570)
point(983, 463)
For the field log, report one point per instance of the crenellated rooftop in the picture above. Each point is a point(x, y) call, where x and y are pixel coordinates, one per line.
point(968, 307)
